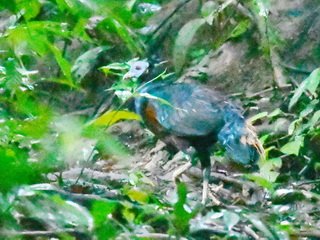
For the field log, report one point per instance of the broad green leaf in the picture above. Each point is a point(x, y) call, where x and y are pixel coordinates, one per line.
point(138, 196)
point(264, 138)
point(12, 77)
point(161, 100)
point(309, 108)
point(52, 210)
point(130, 4)
point(279, 123)
point(258, 116)
point(208, 10)
point(254, 218)
point(116, 66)
point(101, 210)
point(112, 117)
point(230, 219)
point(30, 8)
point(33, 37)
point(86, 62)
point(129, 214)
point(62, 62)
point(293, 126)
point(293, 147)
point(183, 42)
point(277, 162)
point(64, 81)
point(315, 118)
point(262, 7)
point(81, 8)
point(241, 28)
point(261, 181)
point(182, 216)
point(314, 80)
point(80, 29)
point(268, 169)
point(114, 23)
point(310, 83)
point(274, 113)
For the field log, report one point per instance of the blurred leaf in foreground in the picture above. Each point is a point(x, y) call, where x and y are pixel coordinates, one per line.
point(310, 84)
point(110, 118)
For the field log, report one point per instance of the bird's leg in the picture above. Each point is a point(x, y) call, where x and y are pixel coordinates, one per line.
point(206, 178)
point(204, 156)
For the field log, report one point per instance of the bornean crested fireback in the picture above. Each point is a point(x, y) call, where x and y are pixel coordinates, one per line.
point(191, 118)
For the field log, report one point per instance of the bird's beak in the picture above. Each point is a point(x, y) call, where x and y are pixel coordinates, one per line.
point(128, 75)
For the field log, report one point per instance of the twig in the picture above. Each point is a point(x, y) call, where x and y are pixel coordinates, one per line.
point(155, 236)
point(37, 233)
point(251, 233)
point(248, 231)
point(311, 233)
point(167, 19)
point(269, 90)
point(214, 200)
point(233, 180)
point(295, 69)
point(307, 182)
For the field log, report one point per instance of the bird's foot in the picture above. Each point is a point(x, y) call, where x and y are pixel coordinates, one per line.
point(205, 189)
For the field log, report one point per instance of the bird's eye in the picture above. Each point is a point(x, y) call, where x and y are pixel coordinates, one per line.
point(138, 68)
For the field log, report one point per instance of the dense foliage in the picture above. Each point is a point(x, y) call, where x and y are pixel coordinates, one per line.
point(69, 171)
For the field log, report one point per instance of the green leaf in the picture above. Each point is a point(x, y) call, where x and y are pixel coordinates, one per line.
point(274, 113)
point(81, 8)
point(268, 168)
point(241, 28)
point(292, 127)
point(260, 225)
point(62, 62)
point(112, 117)
point(181, 215)
point(261, 181)
point(64, 81)
point(309, 108)
point(101, 210)
point(258, 116)
point(138, 196)
point(294, 146)
point(129, 214)
point(80, 29)
point(114, 23)
point(183, 42)
point(52, 210)
point(87, 61)
point(310, 83)
point(116, 66)
point(29, 8)
point(315, 118)
point(208, 10)
point(230, 219)
point(279, 123)
point(313, 83)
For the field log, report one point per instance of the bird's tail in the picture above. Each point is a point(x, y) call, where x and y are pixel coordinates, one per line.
point(241, 141)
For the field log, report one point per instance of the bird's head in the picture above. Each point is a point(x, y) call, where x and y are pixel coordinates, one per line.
point(137, 69)
point(146, 69)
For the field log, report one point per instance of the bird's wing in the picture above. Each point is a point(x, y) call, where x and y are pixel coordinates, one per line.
point(189, 110)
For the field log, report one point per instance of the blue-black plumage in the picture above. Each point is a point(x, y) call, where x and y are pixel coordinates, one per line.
point(187, 115)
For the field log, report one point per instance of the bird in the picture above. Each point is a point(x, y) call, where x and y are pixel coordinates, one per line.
point(190, 117)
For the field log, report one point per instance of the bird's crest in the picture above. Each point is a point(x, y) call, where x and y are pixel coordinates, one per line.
point(251, 139)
